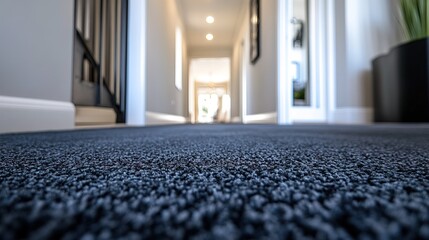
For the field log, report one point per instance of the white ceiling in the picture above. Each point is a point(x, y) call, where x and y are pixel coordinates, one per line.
point(226, 13)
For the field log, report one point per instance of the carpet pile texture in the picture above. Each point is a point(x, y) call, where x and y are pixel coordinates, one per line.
point(217, 182)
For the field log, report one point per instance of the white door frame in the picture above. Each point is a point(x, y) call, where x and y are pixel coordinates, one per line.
point(136, 69)
point(284, 101)
point(322, 63)
point(243, 80)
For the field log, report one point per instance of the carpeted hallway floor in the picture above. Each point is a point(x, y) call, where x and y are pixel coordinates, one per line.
point(217, 182)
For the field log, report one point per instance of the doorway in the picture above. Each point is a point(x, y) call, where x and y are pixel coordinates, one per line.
point(209, 90)
point(304, 47)
point(212, 102)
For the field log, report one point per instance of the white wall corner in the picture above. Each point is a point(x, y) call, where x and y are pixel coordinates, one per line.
point(351, 115)
point(26, 114)
point(153, 118)
point(263, 118)
point(284, 102)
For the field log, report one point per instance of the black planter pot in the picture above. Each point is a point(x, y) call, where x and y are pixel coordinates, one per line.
point(401, 83)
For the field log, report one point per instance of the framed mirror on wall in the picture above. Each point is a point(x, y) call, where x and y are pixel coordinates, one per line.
point(254, 31)
point(300, 53)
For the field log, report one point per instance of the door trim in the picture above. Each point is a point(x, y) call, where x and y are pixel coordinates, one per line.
point(322, 63)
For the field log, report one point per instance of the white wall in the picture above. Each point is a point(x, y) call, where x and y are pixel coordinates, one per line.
point(218, 52)
point(235, 82)
point(36, 49)
point(162, 95)
point(262, 81)
point(240, 44)
point(262, 76)
point(364, 30)
point(36, 62)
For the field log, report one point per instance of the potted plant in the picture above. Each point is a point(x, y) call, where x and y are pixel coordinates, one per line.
point(401, 77)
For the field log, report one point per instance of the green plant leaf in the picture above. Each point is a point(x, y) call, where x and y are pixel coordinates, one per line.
point(415, 18)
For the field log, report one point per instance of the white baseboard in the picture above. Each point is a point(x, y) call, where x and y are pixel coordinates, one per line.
point(353, 115)
point(26, 114)
point(263, 118)
point(153, 118)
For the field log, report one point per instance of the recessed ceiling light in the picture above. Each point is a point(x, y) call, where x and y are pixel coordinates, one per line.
point(209, 36)
point(210, 19)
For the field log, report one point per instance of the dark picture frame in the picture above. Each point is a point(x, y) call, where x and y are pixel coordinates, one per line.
point(254, 31)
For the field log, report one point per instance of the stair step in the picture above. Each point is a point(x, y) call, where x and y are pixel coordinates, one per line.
point(94, 116)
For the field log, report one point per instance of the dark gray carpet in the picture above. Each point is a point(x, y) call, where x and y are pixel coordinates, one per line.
point(217, 182)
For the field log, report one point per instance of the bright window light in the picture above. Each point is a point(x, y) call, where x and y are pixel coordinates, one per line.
point(179, 65)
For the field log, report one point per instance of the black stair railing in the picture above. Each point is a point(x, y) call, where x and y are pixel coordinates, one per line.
point(107, 89)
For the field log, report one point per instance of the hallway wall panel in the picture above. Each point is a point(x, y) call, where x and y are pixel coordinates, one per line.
point(261, 76)
point(364, 30)
point(162, 94)
point(36, 49)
